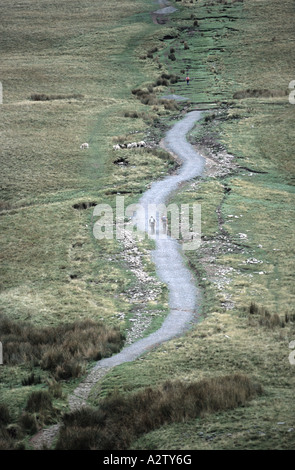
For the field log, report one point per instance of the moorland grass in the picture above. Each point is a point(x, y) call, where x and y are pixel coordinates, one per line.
point(60, 350)
point(225, 59)
point(233, 48)
point(119, 420)
point(67, 75)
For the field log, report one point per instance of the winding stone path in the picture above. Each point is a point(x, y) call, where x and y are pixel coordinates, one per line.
point(184, 296)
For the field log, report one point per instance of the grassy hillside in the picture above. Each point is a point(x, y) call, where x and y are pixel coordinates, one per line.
point(238, 61)
point(67, 72)
point(97, 73)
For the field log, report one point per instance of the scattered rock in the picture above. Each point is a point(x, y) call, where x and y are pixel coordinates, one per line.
point(145, 290)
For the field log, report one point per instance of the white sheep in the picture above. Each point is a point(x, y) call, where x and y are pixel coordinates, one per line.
point(116, 147)
point(141, 144)
point(84, 146)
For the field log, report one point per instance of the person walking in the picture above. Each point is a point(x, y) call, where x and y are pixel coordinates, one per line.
point(152, 224)
point(187, 79)
point(164, 222)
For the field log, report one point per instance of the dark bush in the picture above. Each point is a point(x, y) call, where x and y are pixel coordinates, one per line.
point(289, 317)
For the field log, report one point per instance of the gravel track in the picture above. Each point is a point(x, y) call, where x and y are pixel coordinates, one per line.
point(184, 296)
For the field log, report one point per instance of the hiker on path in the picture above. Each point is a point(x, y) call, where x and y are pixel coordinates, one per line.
point(164, 222)
point(152, 224)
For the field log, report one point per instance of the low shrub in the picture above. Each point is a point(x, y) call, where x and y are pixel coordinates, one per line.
point(70, 369)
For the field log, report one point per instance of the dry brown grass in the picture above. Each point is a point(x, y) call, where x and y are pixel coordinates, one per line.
point(119, 420)
point(60, 350)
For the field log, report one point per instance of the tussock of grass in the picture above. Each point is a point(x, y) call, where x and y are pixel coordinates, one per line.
point(61, 350)
point(38, 412)
point(45, 97)
point(263, 317)
point(32, 379)
point(38, 401)
point(119, 420)
point(6, 442)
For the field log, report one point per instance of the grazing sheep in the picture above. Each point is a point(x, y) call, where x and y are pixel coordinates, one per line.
point(130, 145)
point(84, 146)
